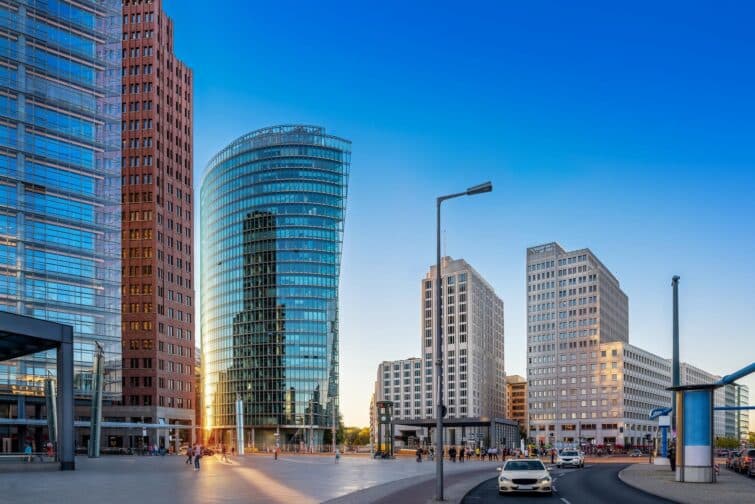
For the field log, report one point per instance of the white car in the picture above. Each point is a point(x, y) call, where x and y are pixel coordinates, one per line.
point(570, 458)
point(524, 475)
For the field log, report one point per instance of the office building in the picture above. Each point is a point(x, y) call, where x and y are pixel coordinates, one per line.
point(272, 221)
point(473, 334)
point(516, 399)
point(401, 383)
point(743, 416)
point(472, 329)
point(60, 177)
point(587, 384)
point(574, 304)
point(158, 255)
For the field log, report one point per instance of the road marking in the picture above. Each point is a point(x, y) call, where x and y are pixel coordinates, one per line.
point(565, 501)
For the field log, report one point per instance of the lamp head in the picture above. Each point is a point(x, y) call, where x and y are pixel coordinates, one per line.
point(481, 188)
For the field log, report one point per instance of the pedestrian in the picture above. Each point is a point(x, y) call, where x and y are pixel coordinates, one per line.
point(477, 452)
point(276, 452)
point(197, 456)
point(461, 454)
point(338, 455)
point(432, 453)
point(233, 451)
point(672, 457)
point(27, 452)
point(189, 454)
point(419, 454)
point(222, 453)
point(553, 455)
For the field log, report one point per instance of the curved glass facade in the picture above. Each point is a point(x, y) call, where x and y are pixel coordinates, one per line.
point(60, 175)
point(272, 214)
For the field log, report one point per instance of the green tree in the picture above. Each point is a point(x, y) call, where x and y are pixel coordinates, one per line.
point(727, 442)
point(751, 438)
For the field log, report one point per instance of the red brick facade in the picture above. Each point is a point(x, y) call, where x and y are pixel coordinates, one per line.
point(158, 207)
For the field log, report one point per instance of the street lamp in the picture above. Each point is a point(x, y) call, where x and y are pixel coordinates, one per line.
point(440, 407)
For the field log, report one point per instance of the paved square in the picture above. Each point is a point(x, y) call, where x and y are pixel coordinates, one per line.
point(258, 478)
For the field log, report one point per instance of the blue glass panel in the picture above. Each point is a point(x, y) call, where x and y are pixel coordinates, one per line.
point(7, 254)
point(60, 207)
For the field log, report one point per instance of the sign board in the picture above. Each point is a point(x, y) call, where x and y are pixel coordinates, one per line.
point(144, 432)
point(664, 421)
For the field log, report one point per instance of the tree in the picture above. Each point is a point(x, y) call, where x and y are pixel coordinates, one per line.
point(340, 434)
point(751, 438)
point(727, 442)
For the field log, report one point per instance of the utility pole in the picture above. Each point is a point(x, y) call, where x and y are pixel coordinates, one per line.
point(675, 381)
point(333, 428)
point(95, 423)
point(311, 426)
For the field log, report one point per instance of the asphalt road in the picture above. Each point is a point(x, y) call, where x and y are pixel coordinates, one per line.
point(594, 484)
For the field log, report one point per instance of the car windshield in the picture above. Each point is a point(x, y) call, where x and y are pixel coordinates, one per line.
point(524, 465)
point(570, 453)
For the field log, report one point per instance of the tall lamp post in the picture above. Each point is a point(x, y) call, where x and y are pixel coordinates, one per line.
point(440, 407)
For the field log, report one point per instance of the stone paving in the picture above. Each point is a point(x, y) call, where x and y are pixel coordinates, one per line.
point(659, 480)
point(250, 479)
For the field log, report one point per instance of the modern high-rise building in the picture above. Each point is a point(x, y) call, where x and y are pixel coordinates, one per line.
point(272, 220)
point(574, 304)
point(158, 206)
point(472, 331)
point(516, 399)
point(60, 179)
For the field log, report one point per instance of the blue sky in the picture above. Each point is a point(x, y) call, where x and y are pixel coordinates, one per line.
point(625, 129)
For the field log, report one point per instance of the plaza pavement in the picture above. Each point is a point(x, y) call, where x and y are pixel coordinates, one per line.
point(251, 479)
point(659, 481)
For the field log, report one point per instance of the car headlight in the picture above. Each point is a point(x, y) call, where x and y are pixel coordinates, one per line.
point(504, 478)
point(546, 479)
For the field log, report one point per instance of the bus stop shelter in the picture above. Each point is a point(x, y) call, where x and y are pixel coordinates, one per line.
point(21, 336)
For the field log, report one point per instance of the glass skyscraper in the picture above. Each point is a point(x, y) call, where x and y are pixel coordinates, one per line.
point(59, 189)
point(272, 216)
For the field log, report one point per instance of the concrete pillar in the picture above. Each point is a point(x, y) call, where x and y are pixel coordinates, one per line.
point(66, 438)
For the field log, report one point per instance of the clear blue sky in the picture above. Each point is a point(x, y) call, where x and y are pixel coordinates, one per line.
point(628, 130)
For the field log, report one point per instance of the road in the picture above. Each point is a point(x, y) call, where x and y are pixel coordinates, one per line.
point(594, 484)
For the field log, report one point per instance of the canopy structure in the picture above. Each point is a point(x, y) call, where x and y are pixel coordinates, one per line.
point(21, 336)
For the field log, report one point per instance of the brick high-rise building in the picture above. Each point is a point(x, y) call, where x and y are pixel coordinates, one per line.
point(157, 292)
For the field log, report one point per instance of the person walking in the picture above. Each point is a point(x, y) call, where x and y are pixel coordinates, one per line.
point(27, 453)
point(189, 454)
point(223, 456)
point(197, 456)
point(553, 455)
point(419, 454)
point(338, 455)
point(672, 457)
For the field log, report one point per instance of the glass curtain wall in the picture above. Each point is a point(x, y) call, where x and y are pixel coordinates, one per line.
point(60, 67)
point(272, 215)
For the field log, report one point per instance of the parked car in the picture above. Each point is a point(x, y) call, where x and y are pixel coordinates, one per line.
point(524, 475)
point(722, 452)
point(570, 458)
point(746, 461)
point(731, 459)
point(635, 453)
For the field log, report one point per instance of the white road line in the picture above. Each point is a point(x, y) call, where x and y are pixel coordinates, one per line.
point(565, 501)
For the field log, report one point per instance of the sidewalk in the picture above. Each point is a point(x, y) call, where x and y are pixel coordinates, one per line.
point(659, 481)
point(421, 490)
